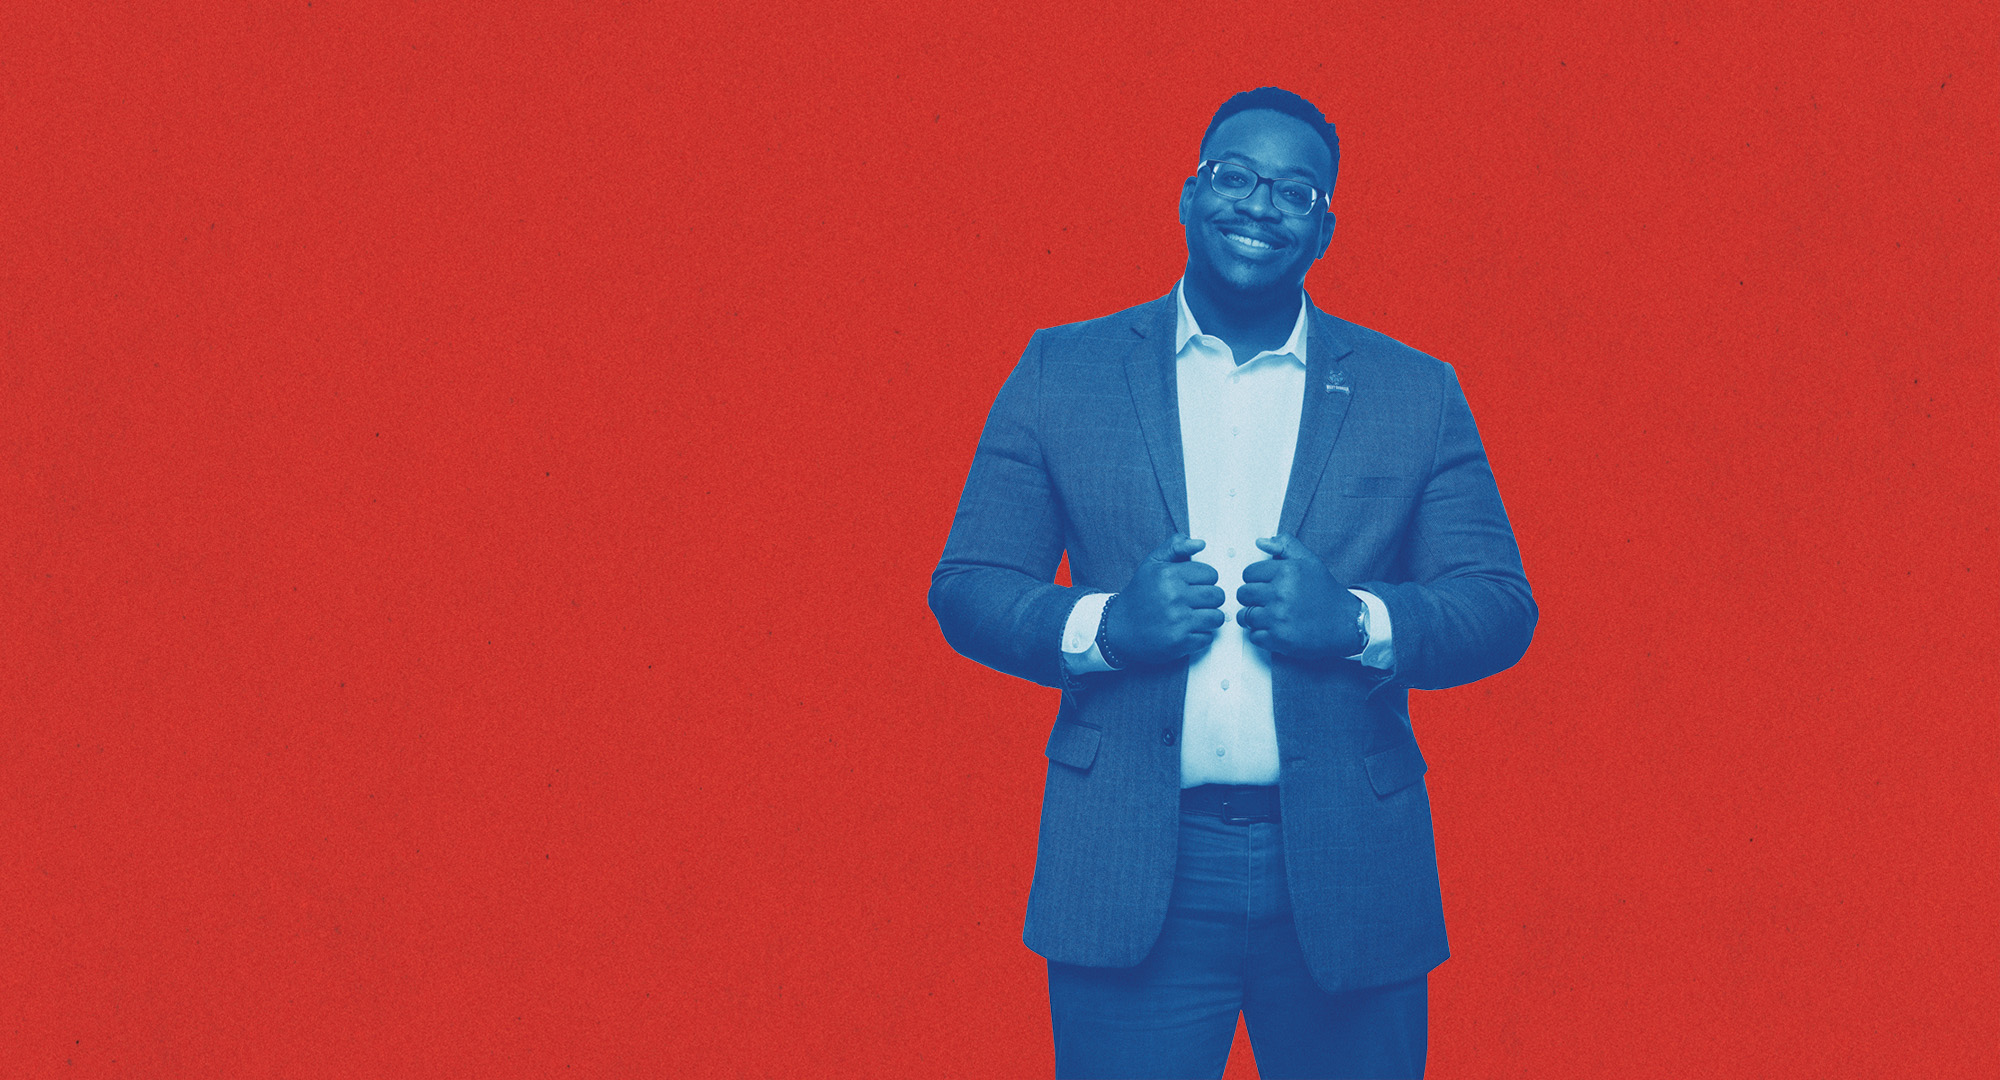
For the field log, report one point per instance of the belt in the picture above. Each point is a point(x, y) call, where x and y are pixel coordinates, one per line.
point(1235, 804)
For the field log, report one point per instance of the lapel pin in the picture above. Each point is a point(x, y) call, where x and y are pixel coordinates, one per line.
point(1338, 381)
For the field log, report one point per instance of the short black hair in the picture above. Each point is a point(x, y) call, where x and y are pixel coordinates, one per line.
point(1280, 101)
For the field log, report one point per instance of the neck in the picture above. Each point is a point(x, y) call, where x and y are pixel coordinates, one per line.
point(1250, 322)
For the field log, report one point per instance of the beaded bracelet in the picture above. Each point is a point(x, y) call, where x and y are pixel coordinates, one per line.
point(1103, 635)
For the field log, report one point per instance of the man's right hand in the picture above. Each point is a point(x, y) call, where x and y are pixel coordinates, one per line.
point(1170, 608)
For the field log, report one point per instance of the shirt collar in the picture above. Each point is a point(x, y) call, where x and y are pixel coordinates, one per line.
point(1185, 327)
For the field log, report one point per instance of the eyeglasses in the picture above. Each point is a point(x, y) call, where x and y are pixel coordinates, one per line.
point(1233, 181)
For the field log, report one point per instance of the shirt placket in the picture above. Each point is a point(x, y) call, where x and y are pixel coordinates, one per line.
point(1232, 537)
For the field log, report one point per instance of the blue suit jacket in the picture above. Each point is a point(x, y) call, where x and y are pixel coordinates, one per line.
point(1389, 486)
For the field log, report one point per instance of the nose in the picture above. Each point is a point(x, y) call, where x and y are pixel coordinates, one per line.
point(1258, 203)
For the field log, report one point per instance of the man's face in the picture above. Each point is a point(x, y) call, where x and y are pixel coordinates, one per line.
point(1248, 244)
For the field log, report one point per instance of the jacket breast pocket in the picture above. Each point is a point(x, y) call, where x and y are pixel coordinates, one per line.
point(1380, 487)
point(1074, 745)
point(1394, 769)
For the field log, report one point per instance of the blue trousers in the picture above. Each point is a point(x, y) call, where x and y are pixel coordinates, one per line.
point(1228, 947)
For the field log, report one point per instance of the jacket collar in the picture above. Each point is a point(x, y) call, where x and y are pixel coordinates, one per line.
point(1329, 391)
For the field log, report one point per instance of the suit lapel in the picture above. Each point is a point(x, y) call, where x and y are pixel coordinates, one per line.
point(1329, 390)
point(1150, 371)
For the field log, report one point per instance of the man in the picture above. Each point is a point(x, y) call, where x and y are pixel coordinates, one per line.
point(1277, 523)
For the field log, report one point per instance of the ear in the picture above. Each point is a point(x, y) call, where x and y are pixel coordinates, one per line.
point(1325, 234)
point(1187, 197)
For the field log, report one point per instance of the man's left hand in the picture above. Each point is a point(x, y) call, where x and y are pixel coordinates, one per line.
point(1292, 605)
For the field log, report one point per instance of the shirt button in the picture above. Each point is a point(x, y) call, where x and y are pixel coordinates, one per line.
point(1232, 554)
point(1219, 751)
point(1232, 494)
point(1225, 684)
point(1236, 431)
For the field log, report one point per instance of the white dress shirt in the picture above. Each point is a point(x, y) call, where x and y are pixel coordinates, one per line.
point(1239, 426)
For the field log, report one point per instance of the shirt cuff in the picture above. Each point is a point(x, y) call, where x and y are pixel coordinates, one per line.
point(1380, 651)
point(1079, 641)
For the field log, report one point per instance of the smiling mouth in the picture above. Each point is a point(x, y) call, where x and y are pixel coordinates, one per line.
point(1247, 242)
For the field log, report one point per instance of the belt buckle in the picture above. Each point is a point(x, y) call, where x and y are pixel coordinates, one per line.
point(1231, 817)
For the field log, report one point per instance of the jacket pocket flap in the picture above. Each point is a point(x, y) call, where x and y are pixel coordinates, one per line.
point(1396, 768)
point(1073, 744)
point(1380, 487)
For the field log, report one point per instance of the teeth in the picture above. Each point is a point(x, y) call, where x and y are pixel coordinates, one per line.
point(1247, 241)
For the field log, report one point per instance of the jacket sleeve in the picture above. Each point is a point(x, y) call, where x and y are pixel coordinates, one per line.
point(1465, 612)
point(993, 591)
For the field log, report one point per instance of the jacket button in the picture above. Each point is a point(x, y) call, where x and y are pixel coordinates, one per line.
point(1167, 736)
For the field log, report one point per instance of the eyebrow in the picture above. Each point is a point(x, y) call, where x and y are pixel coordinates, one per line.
point(1289, 172)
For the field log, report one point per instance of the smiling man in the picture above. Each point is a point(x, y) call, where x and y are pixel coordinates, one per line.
point(1277, 523)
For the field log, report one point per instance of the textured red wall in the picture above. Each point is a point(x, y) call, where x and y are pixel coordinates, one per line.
point(469, 480)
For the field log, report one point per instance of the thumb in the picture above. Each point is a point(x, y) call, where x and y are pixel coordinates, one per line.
point(1285, 546)
point(1177, 549)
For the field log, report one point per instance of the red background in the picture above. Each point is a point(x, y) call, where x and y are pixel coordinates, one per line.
point(471, 479)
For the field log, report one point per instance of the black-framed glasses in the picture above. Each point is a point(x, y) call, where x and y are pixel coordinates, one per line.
point(1233, 181)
